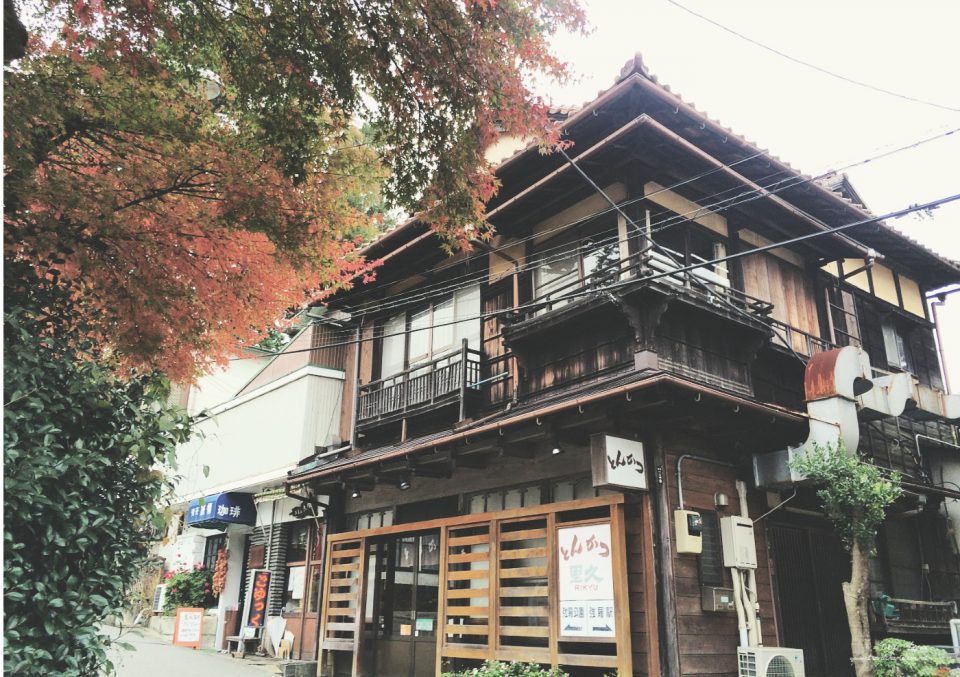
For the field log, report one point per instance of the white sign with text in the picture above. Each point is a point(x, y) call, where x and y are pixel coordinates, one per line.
point(617, 462)
point(585, 556)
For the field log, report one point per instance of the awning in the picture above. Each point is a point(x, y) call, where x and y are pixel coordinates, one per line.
point(220, 510)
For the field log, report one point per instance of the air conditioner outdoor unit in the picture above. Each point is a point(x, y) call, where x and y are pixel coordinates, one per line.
point(159, 598)
point(769, 661)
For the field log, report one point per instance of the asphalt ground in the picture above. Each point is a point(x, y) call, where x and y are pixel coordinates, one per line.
point(156, 657)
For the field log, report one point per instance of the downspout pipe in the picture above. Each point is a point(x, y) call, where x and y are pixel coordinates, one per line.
point(753, 610)
point(935, 306)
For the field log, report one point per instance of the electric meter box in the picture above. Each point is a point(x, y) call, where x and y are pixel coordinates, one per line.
point(688, 525)
point(739, 545)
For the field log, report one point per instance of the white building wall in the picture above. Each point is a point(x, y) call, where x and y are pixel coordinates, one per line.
point(224, 383)
point(255, 439)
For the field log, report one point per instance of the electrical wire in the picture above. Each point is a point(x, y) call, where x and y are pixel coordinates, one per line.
point(743, 197)
point(446, 287)
point(807, 64)
point(655, 276)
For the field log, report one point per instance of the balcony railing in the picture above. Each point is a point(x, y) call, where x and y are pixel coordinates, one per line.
point(804, 343)
point(445, 379)
point(705, 285)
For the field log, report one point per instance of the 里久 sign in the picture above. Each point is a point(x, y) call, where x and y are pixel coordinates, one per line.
point(222, 509)
point(617, 462)
point(585, 581)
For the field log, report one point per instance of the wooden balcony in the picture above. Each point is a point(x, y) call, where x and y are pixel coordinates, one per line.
point(450, 379)
point(651, 270)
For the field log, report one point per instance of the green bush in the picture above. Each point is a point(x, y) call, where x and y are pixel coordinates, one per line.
point(900, 658)
point(189, 588)
point(84, 449)
point(500, 669)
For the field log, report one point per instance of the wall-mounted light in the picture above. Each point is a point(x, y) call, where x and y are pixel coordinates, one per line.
point(404, 484)
point(721, 500)
point(556, 449)
point(355, 493)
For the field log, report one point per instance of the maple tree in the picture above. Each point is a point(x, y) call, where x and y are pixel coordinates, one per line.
point(196, 164)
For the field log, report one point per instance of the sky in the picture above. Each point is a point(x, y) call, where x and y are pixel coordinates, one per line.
point(810, 120)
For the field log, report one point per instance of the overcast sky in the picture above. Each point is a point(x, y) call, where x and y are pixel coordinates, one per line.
point(810, 120)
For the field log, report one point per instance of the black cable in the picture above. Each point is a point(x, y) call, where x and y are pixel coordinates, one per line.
point(655, 276)
point(819, 69)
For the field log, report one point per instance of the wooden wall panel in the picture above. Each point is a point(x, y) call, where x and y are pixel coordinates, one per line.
point(708, 640)
point(788, 288)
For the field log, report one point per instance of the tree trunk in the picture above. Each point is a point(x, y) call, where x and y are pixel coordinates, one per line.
point(855, 599)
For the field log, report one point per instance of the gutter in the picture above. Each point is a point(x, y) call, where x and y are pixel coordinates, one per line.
point(777, 410)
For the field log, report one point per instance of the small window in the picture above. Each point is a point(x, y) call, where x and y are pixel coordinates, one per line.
point(710, 561)
point(894, 346)
point(212, 548)
point(372, 520)
point(573, 489)
point(503, 499)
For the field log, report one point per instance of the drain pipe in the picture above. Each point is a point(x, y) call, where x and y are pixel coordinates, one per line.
point(936, 305)
point(753, 607)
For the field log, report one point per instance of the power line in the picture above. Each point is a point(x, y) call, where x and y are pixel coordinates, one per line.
point(819, 69)
point(933, 204)
point(447, 286)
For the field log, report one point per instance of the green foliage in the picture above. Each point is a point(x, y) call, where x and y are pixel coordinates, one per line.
point(500, 669)
point(854, 492)
point(84, 451)
point(189, 588)
point(900, 658)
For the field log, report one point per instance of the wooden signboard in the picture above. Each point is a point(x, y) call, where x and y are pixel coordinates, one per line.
point(188, 627)
point(617, 462)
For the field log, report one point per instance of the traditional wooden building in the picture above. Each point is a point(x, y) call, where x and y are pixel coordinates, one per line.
point(553, 435)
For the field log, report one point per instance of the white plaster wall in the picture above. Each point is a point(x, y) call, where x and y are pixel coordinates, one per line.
point(255, 439)
point(224, 383)
point(186, 549)
point(231, 590)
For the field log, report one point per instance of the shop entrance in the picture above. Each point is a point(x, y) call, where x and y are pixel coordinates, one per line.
point(402, 600)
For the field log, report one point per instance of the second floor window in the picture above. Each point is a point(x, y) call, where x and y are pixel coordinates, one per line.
point(427, 333)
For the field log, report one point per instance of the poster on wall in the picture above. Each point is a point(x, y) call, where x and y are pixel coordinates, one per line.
point(585, 581)
point(259, 592)
point(187, 627)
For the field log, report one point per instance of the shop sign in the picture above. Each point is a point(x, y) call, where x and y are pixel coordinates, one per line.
point(585, 581)
point(260, 592)
point(188, 626)
point(617, 462)
point(221, 509)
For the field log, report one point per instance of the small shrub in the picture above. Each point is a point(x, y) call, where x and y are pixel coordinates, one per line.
point(189, 588)
point(500, 669)
point(900, 658)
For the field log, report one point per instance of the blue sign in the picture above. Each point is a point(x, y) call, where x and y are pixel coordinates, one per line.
point(219, 510)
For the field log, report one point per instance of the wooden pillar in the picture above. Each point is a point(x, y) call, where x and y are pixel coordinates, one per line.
point(663, 560)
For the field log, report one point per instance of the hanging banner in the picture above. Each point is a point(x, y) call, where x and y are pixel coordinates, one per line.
point(259, 594)
point(585, 581)
point(188, 626)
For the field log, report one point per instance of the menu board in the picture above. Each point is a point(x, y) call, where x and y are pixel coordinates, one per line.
point(585, 581)
point(188, 627)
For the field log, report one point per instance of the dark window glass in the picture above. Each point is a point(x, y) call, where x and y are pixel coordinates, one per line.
point(297, 544)
point(711, 558)
point(211, 548)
